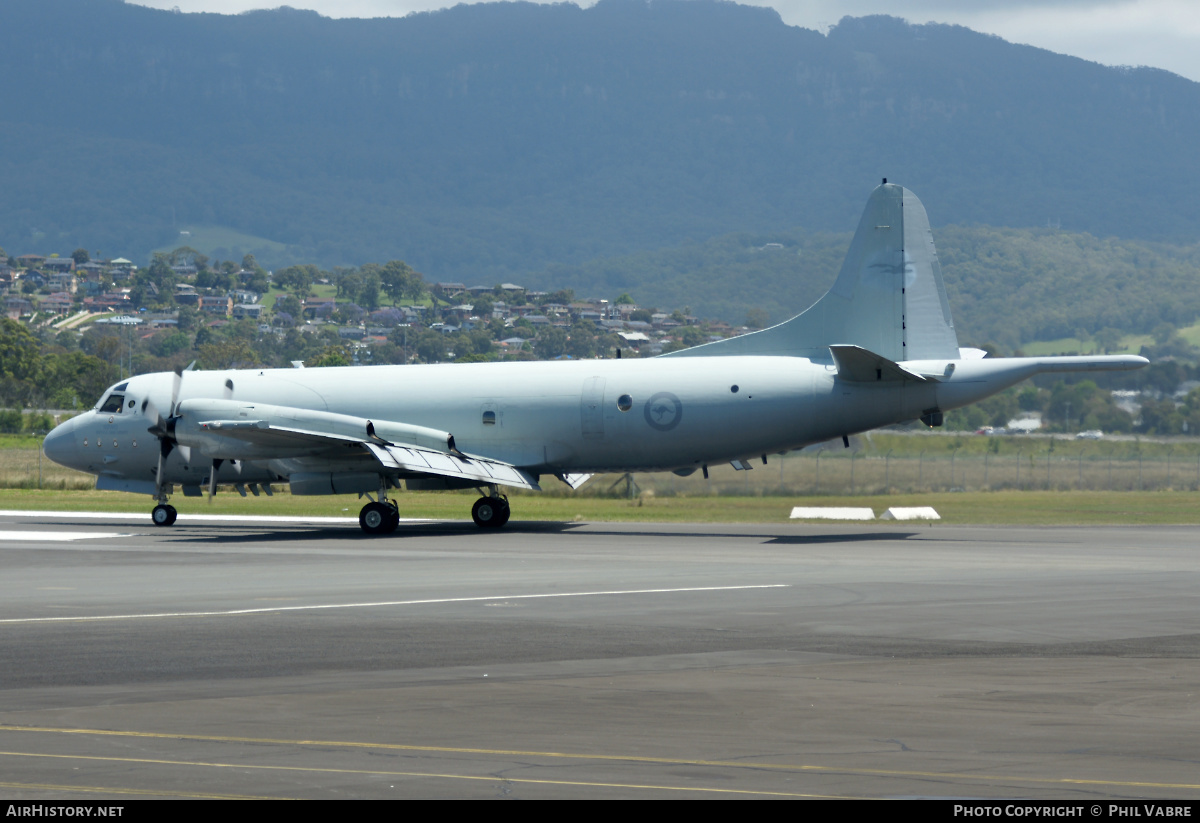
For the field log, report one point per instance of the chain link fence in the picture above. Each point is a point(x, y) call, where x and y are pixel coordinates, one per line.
point(825, 472)
point(830, 473)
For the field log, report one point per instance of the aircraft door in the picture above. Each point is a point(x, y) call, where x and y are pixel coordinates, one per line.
point(591, 407)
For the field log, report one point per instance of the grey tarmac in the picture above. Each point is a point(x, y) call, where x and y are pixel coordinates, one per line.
point(298, 660)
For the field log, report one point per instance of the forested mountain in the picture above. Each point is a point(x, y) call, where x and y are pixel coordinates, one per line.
point(488, 142)
point(1006, 286)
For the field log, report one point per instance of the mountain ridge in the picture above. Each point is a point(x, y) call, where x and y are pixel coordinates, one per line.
point(489, 141)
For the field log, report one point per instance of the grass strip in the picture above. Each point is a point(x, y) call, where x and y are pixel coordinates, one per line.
point(1052, 508)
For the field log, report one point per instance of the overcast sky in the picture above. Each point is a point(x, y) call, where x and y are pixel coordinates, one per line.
point(1160, 33)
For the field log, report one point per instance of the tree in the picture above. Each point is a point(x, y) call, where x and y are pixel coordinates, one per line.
point(582, 340)
point(165, 345)
point(19, 356)
point(289, 304)
point(1108, 339)
point(160, 268)
point(757, 318)
point(483, 306)
point(297, 279)
point(551, 343)
point(368, 292)
point(430, 346)
point(80, 256)
point(187, 318)
point(400, 280)
point(227, 354)
point(336, 355)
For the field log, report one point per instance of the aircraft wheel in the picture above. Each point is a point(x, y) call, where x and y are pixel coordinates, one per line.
point(393, 520)
point(164, 515)
point(375, 518)
point(490, 512)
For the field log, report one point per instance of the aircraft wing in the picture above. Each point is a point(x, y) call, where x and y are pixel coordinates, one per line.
point(253, 431)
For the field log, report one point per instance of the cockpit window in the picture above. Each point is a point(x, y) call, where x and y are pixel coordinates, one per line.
point(113, 404)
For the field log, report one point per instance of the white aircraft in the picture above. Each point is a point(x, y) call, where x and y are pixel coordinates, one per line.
point(878, 348)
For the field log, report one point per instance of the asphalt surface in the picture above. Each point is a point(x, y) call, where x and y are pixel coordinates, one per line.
point(237, 659)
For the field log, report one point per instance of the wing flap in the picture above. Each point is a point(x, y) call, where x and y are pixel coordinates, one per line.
point(482, 470)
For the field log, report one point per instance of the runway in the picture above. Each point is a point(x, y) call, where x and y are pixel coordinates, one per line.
point(223, 658)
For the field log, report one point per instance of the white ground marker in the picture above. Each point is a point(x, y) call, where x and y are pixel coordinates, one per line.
point(831, 513)
point(914, 513)
point(56, 537)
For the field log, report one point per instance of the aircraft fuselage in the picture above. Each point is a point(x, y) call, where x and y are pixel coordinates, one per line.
point(546, 417)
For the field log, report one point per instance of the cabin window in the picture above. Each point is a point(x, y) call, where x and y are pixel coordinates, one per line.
point(113, 404)
point(489, 418)
point(624, 402)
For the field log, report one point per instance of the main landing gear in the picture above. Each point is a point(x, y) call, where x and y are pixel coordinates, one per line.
point(490, 512)
point(382, 516)
point(164, 514)
point(379, 518)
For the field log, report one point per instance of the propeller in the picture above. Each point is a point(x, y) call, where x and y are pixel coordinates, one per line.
point(164, 430)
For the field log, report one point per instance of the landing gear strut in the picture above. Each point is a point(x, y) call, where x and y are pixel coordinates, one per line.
point(164, 514)
point(490, 512)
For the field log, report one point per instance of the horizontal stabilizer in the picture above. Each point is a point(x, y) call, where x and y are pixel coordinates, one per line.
point(856, 364)
point(573, 480)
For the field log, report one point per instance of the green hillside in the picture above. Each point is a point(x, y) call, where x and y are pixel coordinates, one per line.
point(1006, 286)
point(487, 141)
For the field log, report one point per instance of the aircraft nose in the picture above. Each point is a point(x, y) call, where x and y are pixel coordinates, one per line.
point(59, 444)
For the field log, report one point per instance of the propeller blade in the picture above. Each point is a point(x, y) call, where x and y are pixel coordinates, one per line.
point(158, 473)
point(176, 385)
point(212, 478)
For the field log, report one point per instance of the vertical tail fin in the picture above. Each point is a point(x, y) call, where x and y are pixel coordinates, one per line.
point(889, 297)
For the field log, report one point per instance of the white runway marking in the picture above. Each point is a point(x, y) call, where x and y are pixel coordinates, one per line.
point(53, 537)
point(268, 609)
point(197, 518)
